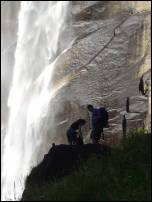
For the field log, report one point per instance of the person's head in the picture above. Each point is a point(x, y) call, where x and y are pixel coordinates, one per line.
point(90, 108)
point(82, 122)
point(53, 144)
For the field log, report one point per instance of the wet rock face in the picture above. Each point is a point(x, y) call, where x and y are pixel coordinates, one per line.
point(104, 65)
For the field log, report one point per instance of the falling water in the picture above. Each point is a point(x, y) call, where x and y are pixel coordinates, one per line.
point(39, 41)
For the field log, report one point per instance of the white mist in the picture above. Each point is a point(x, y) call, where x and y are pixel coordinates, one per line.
point(41, 24)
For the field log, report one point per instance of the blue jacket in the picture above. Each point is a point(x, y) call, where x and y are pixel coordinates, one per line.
point(96, 115)
point(71, 134)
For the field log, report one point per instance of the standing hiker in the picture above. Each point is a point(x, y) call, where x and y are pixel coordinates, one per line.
point(141, 86)
point(99, 119)
point(124, 125)
point(74, 133)
point(127, 105)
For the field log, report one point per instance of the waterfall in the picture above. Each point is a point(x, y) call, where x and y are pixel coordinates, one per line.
point(40, 28)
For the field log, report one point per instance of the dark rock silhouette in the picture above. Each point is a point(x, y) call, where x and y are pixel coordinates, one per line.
point(62, 159)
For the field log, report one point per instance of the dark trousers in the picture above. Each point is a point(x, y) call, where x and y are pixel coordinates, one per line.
point(97, 129)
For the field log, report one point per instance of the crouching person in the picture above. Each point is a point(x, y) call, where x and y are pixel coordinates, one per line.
point(74, 133)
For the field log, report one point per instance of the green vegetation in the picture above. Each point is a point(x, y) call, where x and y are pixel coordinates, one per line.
point(122, 176)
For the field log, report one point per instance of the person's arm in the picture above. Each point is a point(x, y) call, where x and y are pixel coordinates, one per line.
point(90, 123)
point(80, 132)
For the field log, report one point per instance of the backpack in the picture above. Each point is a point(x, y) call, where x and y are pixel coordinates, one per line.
point(105, 116)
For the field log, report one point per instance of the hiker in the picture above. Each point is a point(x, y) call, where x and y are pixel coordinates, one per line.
point(127, 104)
point(74, 133)
point(99, 121)
point(141, 86)
point(124, 125)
